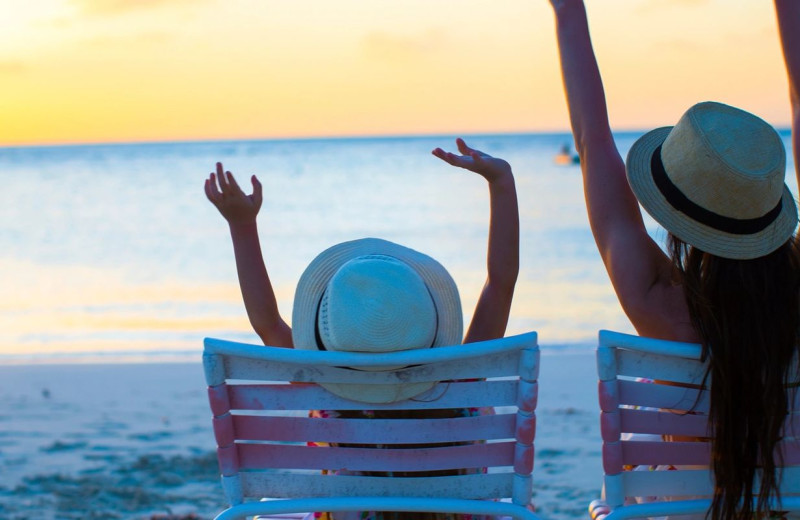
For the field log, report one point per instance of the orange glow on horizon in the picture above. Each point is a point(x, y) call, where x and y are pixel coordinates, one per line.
point(79, 71)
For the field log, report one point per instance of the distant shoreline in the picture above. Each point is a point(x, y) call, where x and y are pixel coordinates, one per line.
point(298, 139)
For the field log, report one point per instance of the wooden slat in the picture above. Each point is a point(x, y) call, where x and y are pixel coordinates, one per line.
point(476, 394)
point(653, 395)
point(499, 365)
point(365, 431)
point(282, 485)
point(663, 423)
point(375, 459)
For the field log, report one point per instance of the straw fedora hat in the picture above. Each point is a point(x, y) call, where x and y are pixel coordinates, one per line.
point(716, 181)
point(372, 295)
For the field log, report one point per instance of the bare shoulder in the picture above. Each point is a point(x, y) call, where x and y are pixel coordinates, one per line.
point(664, 314)
point(642, 275)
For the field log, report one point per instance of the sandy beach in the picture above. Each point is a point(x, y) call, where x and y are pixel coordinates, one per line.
point(134, 441)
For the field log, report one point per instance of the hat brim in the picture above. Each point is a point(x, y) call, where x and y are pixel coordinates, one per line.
point(708, 239)
point(314, 281)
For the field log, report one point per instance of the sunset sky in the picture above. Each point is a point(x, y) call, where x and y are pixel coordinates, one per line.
point(77, 71)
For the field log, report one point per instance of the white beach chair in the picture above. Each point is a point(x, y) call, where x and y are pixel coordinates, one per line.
point(635, 415)
point(262, 429)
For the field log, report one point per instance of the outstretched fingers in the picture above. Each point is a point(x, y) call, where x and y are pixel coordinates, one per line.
point(452, 159)
point(212, 193)
point(233, 186)
point(462, 147)
point(257, 191)
point(467, 150)
point(223, 182)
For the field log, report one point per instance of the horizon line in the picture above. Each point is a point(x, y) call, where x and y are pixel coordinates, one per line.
point(421, 135)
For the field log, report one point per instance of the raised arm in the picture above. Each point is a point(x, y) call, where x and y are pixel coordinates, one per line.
point(638, 269)
point(240, 210)
point(788, 12)
point(494, 305)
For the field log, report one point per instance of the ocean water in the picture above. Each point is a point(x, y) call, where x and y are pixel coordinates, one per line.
point(113, 253)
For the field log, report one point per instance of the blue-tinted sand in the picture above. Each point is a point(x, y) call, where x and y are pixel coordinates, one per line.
point(136, 440)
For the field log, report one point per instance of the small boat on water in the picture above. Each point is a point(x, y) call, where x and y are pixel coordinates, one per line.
point(566, 157)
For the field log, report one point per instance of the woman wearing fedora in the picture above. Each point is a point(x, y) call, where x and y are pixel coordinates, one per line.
point(730, 276)
point(377, 296)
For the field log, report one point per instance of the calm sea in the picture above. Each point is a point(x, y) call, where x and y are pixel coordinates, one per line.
point(113, 253)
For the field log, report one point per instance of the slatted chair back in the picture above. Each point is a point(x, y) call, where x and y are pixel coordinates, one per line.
point(262, 429)
point(654, 402)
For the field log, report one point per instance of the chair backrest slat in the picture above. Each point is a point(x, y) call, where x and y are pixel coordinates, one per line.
point(647, 395)
point(277, 456)
point(694, 483)
point(268, 446)
point(473, 394)
point(282, 485)
point(648, 453)
point(497, 366)
point(364, 431)
point(664, 423)
point(660, 367)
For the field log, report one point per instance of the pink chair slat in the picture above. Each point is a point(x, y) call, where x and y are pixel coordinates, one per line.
point(528, 395)
point(663, 422)
point(792, 426)
point(613, 458)
point(644, 453)
point(523, 459)
point(218, 399)
point(610, 426)
point(476, 394)
point(375, 459)
point(687, 453)
point(794, 399)
point(391, 431)
point(608, 394)
point(228, 458)
point(654, 395)
point(224, 430)
point(525, 431)
point(790, 450)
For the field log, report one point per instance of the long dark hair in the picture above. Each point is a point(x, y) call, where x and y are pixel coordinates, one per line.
point(747, 313)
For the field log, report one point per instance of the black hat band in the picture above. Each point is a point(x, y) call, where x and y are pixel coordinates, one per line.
point(681, 202)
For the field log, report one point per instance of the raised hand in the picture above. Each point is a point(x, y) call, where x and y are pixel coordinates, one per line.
point(491, 168)
point(235, 205)
point(502, 261)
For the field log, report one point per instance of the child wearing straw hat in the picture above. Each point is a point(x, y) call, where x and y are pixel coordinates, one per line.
point(372, 295)
point(730, 278)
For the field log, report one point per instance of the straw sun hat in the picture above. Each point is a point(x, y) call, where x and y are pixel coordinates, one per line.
point(371, 295)
point(716, 181)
